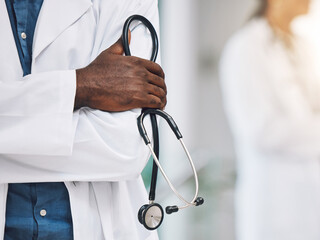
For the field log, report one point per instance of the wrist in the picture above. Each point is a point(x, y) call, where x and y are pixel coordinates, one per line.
point(81, 97)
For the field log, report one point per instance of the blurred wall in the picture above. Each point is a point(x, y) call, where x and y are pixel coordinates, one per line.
point(193, 33)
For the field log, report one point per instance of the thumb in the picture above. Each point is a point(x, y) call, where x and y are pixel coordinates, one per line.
point(117, 47)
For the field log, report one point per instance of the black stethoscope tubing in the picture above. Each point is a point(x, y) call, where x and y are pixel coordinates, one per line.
point(151, 215)
point(155, 131)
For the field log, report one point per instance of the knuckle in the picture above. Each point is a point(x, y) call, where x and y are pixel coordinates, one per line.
point(162, 73)
point(156, 90)
point(157, 66)
point(140, 100)
point(143, 73)
point(136, 60)
point(160, 70)
point(143, 88)
point(137, 99)
point(132, 58)
point(153, 102)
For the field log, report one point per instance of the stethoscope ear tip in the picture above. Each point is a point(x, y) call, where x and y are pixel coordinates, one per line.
point(199, 201)
point(172, 209)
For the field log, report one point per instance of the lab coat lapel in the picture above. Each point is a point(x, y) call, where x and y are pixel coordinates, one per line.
point(55, 16)
point(9, 57)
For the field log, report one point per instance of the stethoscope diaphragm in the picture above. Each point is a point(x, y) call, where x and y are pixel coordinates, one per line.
point(151, 216)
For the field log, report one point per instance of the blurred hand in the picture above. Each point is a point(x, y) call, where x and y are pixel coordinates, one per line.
point(113, 82)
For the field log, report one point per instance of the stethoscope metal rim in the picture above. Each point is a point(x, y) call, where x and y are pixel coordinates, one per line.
point(152, 216)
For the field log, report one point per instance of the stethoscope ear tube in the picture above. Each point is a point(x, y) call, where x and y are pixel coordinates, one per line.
point(196, 200)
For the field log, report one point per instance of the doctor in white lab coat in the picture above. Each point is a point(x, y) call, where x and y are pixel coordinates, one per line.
point(270, 81)
point(98, 154)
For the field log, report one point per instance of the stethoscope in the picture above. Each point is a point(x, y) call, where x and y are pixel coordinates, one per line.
point(151, 215)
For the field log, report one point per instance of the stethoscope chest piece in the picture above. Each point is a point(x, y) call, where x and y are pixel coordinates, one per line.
point(151, 216)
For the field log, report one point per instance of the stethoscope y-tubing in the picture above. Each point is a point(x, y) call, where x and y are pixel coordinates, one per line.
point(195, 201)
point(155, 132)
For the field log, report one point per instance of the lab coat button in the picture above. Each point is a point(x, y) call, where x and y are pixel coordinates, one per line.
point(23, 35)
point(43, 212)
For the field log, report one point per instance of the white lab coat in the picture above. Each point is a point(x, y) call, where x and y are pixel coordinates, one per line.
point(272, 96)
point(99, 155)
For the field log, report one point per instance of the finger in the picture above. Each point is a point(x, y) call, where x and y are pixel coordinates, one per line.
point(157, 81)
point(156, 91)
point(143, 99)
point(155, 68)
point(149, 65)
point(154, 102)
point(117, 47)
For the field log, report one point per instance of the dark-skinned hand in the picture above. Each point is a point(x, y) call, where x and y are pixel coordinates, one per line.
point(114, 83)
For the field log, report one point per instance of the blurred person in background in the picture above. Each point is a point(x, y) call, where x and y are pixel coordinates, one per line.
point(271, 88)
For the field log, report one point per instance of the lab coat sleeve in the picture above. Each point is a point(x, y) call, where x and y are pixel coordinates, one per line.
point(36, 114)
point(106, 146)
point(271, 114)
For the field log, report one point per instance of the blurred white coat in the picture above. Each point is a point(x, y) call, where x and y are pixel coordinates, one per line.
point(272, 100)
point(99, 155)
